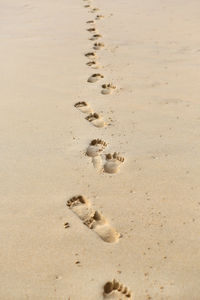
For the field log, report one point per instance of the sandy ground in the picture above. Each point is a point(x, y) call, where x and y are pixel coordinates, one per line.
point(152, 55)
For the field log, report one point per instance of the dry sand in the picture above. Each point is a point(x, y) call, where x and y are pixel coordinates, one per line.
point(152, 54)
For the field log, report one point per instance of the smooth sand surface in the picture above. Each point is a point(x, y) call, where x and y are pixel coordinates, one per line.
point(152, 55)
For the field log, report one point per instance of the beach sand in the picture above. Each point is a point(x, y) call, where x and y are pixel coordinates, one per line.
point(147, 236)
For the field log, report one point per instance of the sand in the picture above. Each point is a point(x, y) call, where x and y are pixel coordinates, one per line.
point(147, 235)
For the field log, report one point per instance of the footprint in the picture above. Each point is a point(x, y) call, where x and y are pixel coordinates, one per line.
point(93, 219)
point(98, 17)
point(95, 37)
point(87, 5)
point(80, 205)
point(83, 107)
point(96, 147)
point(93, 64)
point(93, 10)
point(107, 88)
point(96, 120)
point(95, 77)
point(116, 290)
point(92, 29)
point(113, 162)
point(98, 46)
point(66, 225)
point(91, 55)
point(90, 22)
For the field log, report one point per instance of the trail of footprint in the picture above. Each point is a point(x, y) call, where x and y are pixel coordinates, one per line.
point(116, 290)
point(113, 162)
point(93, 219)
point(94, 118)
point(107, 88)
point(79, 204)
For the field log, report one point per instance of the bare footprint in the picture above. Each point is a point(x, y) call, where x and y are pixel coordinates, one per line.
point(87, 5)
point(116, 290)
point(95, 37)
point(90, 22)
point(96, 120)
point(93, 10)
point(80, 205)
point(107, 88)
point(83, 107)
point(98, 46)
point(95, 77)
point(93, 219)
point(113, 162)
point(91, 55)
point(93, 64)
point(96, 147)
point(99, 17)
point(94, 150)
point(92, 29)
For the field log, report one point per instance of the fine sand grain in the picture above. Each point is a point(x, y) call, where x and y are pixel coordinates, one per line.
point(127, 139)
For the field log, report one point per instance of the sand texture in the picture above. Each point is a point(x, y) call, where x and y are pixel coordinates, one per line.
point(100, 149)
